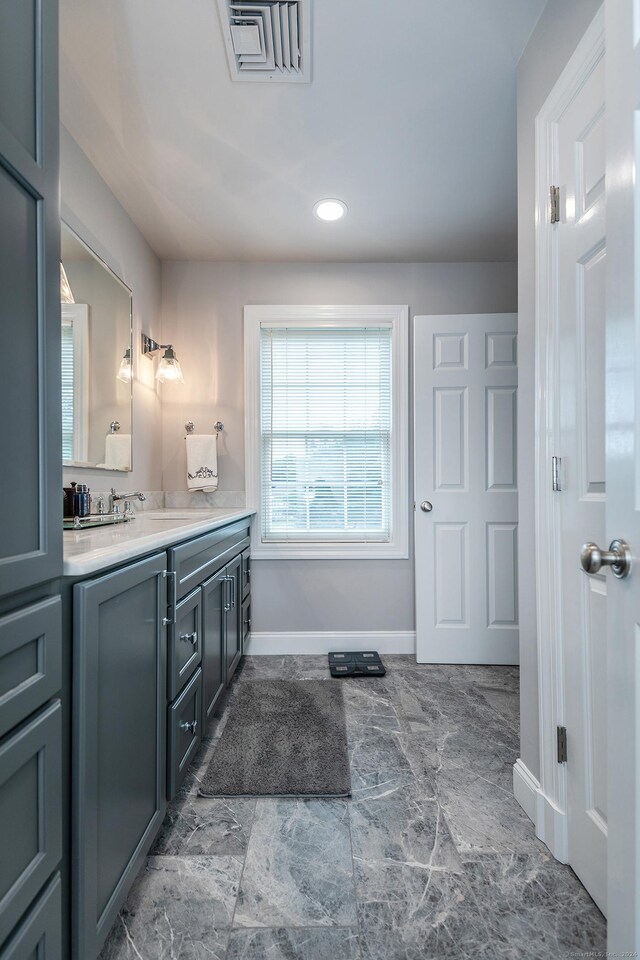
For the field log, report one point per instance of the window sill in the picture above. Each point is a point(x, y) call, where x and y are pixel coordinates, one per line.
point(329, 551)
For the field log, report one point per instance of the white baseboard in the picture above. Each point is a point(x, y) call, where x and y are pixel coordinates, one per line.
point(525, 788)
point(549, 820)
point(323, 641)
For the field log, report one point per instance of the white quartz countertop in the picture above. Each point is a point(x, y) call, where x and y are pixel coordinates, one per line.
point(88, 551)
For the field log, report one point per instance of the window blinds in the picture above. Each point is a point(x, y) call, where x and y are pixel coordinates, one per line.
point(325, 428)
point(67, 390)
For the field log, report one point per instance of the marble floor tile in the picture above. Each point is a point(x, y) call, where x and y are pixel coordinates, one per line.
point(505, 702)
point(484, 817)
point(379, 765)
point(298, 868)
point(486, 675)
point(535, 908)
point(200, 826)
point(409, 912)
point(430, 859)
point(312, 943)
point(403, 829)
point(178, 907)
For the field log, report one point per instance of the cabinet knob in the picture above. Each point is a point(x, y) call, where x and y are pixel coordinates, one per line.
point(190, 638)
point(189, 725)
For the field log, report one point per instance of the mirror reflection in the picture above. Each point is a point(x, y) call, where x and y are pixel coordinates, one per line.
point(96, 360)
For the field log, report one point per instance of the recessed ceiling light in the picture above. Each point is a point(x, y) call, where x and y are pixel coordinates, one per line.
point(330, 210)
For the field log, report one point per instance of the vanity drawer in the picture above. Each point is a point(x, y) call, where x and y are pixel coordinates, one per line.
point(39, 935)
point(30, 660)
point(198, 559)
point(246, 573)
point(246, 622)
point(185, 642)
point(185, 732)
point(31, 805)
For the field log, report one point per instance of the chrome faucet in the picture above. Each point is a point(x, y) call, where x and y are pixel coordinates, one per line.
point(116, 497)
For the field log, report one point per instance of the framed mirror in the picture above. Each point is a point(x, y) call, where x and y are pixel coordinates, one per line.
point(97, 360)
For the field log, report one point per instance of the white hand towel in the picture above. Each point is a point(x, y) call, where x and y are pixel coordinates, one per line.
point(202, 462)
point(117, 451)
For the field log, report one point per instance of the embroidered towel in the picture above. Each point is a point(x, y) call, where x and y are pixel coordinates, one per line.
point(117, 451)
point(202, 462)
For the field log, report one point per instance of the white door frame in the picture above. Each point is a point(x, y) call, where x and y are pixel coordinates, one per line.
point(551, 794)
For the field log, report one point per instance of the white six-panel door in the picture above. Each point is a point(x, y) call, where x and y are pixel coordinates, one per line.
point(465, 393)
point(623, 469)
point(578, 250)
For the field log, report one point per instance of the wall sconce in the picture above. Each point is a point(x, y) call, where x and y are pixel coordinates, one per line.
point(168, 369)
point(125, 370)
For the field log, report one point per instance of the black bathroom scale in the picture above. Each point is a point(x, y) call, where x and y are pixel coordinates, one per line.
point(361, 663)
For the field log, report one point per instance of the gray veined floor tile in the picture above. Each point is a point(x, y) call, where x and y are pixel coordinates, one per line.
point(535, 908)
point(484, 817)
point(311, 943)
point(379, 765)
point(504, 702)
point(486, 675)
point(203, 826)
point(298, 869)
point(179, 907)
point(413, 913)
point(406, 830)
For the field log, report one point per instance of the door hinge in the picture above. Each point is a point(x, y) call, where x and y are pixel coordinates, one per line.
point(556, 463)
point(554, 206)
point(562, 744)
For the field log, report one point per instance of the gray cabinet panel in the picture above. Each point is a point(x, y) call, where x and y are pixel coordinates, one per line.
point(185, 643)
point(39, 934)
point(233, 632)
point(30, 660)
point(198, 559)
point(119, 740)
point(185, 732)
point(30, 512)
point(19, 30)
point(30, 812)
point(213, 626)
point(246, 622)
point(246, 573)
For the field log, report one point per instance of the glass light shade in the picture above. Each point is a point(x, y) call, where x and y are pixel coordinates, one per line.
point(125, 370)
point(169, 369)
point(66, 296)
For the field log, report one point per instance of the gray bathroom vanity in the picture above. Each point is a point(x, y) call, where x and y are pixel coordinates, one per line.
point(157, 611)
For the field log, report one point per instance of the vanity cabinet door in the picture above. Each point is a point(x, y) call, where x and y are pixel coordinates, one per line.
point(119, 740)
point(214, 594)
point(234, 629)
point(185, 733)
point(185, 643)
point(39, 934)
point(31, 421)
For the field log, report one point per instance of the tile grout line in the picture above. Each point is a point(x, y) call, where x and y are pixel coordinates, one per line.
point(353, 869)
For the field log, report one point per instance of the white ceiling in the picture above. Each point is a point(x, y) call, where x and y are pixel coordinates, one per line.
point(410, 118)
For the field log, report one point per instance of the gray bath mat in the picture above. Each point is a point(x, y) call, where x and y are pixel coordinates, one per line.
point(284, 738)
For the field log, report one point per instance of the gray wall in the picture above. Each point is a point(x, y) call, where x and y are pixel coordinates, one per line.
point(203, 317)
point(89, 207)
point(558, 32)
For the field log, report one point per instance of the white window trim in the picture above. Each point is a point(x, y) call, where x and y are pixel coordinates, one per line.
point(330, 315)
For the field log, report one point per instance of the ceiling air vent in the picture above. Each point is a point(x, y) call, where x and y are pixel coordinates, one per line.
point(267, 40)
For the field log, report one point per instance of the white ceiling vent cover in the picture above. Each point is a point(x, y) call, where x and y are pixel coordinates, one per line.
point(267, 40)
